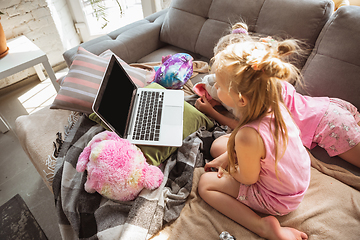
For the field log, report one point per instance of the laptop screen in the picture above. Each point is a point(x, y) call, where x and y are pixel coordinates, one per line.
point(116, 97)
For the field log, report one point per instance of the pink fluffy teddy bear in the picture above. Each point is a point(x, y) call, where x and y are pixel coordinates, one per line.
point(116, 168)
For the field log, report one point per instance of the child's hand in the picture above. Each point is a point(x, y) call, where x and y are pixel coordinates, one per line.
point(213, 166)
point(217, 163)
point(203, 105)
point(210, 166)
point(220, 172)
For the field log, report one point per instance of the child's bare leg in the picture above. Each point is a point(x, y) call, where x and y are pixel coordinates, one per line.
point(221, 193)
point(353, 155)
point(219, 146)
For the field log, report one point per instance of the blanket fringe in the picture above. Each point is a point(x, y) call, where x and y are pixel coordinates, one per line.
point(50, 162)
point(57, 144)
point(72, 119)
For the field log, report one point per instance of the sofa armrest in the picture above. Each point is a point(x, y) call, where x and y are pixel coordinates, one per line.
point(130, 42)
point(36, 134)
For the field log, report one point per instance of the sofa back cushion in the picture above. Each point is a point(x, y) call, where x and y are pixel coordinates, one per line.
point(197, 25)
point(333, 68)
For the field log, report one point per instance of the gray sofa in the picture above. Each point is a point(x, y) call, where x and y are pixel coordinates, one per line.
point(169, 31)
point(331, 68)
point(195, 27)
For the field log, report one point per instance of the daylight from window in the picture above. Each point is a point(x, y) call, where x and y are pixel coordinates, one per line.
point(104, 16)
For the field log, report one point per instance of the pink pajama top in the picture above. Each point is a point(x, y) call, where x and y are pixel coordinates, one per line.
point(306, 111)
point(272, 195)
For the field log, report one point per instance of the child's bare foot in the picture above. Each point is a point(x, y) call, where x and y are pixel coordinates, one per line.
point(274, 231)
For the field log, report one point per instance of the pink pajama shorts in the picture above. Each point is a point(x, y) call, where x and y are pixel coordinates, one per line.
point(260, 200)
point(338, 130)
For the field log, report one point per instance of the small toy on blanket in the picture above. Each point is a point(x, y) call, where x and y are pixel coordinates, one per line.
point(226, 236)
point(174, 71)
point(116, 168)
point(207, 87)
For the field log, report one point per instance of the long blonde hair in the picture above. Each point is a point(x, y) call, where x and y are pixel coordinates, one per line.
point(253, 69)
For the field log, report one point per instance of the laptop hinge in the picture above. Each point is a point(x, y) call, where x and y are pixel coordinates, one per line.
point(132, 115)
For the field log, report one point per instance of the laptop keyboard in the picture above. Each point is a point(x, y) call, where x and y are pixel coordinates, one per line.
point(148, 118)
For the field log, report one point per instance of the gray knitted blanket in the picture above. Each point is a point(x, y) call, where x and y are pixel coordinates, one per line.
point(90, 216)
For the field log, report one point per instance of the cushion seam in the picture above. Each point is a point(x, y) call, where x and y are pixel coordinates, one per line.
point(338, 59)
point(257, 18)
point(318, 42)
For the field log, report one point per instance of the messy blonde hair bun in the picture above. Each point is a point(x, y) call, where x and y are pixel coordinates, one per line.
point(277, 64)
point(240, 25)
point(233, 37)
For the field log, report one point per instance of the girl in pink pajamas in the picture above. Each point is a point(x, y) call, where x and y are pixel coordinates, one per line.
point(331, 123)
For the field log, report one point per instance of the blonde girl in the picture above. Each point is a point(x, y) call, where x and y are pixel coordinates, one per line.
point(331, 123)
point(267, 166)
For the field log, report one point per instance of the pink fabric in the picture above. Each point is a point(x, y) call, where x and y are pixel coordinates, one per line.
point(116, 168)
point(306, 111)
point(200, 90)
point(338, 130)
point(272, 195)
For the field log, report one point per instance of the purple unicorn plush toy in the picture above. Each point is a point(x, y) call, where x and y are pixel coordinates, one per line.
point(175, 71)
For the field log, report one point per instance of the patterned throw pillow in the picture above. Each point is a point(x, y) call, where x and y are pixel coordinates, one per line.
point(79, 87)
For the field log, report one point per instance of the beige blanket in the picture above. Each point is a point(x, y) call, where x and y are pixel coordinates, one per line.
point(330, 210)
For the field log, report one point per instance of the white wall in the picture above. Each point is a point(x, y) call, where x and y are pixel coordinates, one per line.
point(49, 24)
point(46, 22)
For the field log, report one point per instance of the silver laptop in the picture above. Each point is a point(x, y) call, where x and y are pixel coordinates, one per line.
point(144, 116)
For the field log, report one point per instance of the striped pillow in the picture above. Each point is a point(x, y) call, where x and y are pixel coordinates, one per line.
point(79, 87)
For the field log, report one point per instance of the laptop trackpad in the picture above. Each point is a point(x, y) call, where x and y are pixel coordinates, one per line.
point(172, 115)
